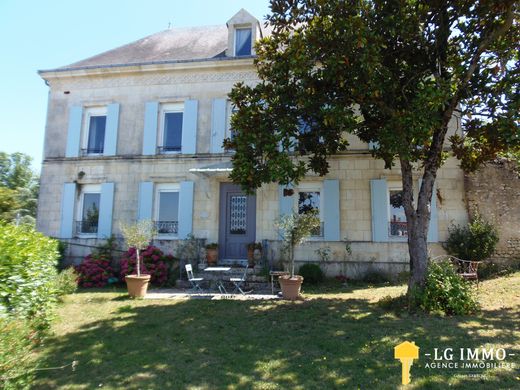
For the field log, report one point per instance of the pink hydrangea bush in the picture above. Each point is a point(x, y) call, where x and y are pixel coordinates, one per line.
point(94, 271)
point(153, 262)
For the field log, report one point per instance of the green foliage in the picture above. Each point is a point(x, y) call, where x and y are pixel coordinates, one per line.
point(445, 292)
point(312, 273)
point(189, 248)
point(17, 362)
point(324, 253)
point(138, 236)
point(18, 188)
point(476, 241)
point(490, 269)
point(66, 281)
point(376, 277)
point(296, 229)
point(27, 272)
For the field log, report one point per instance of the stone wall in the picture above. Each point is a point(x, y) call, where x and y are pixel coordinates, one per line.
point(494, 192)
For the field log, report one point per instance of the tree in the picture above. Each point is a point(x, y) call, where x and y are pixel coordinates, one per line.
point(391, 72)
point(19, 181)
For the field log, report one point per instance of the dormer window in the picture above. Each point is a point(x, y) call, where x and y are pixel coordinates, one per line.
point(243, 41)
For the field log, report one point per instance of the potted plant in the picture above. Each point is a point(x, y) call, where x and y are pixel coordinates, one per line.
point(212, 253)
point(138, 236)
point(254, 251)
point(295, 229)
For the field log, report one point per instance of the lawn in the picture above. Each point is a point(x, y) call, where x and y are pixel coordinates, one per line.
point(336, 338)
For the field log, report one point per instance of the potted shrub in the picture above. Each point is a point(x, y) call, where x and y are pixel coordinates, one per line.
point(295, 229)
point(212, 253)
point(253, 247)
point(138, 236)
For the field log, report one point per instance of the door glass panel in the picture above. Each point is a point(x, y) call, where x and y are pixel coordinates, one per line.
point(238, 214)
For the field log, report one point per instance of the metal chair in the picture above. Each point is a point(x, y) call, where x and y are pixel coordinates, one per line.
point(239, 282)
point(195, 282)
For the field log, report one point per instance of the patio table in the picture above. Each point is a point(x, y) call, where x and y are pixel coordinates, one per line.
point(220, 284)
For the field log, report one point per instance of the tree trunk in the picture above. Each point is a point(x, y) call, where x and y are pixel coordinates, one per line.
point(418, 221)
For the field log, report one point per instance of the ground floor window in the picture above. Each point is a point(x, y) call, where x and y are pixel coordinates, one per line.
point(167, 209)
point(88, 210)
point(398, 226)
point(310, 200)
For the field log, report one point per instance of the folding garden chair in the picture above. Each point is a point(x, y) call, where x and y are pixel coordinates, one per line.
point(239, 282)
point(193, 281)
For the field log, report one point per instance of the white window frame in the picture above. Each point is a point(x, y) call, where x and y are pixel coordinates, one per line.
point(164, 109)
point(311, 187)
point(86, 189)
point(244, 27)
point(164, 187)
point(393, 186)
point(89, 112)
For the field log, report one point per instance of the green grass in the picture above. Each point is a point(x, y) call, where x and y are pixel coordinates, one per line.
point(338, 338)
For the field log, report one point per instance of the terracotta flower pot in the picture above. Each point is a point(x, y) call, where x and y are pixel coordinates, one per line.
point(137, 285)
point(212, 256)
point(291, 286)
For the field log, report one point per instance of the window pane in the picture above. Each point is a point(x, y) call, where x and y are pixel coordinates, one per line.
point(168, 206)
point(172, 131)
point(96, 134)
point(243, 41)
point(90, 213)
point(398, 226)
point(308, 201)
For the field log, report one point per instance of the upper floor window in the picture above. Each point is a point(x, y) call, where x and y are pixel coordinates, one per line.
point(94, 130)
point(88, 210)
point(243, 41)
point(231, 109)
point(398, 226)
point(167, 209)
point(170, 136)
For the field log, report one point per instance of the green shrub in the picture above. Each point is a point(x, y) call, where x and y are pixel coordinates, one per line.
point(311, 273)
point(16, 358)
point(376, 277)
point(489, 269)
point(476, 241)
point(446, 292)
point(66, 281)
point(27, 272)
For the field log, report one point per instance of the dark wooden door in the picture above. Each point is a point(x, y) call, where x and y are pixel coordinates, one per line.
point(237, 222)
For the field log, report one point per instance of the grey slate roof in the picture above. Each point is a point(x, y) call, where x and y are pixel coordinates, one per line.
point(173, 45)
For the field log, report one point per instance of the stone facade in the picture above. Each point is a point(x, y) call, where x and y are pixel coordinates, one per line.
point(132, 86)
point(494, 192)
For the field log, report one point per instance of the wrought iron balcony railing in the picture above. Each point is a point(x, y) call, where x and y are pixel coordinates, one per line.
point(86, 152)
point(398, 229)
point(167, 227)
point(86, 227)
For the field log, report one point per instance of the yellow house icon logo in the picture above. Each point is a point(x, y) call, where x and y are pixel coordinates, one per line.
point(406, 352)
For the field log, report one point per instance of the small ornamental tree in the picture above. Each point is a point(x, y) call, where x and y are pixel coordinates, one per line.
point(392, 72)
point(138, 236)
point(296, 229)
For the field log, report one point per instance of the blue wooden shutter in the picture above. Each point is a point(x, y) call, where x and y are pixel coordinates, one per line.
point(112, 125)
point(331, 210)
point(106, 206)
point(151, 114)
point(286, 203)
point(380, 204)
point(74, 131)
point(189, 127)
point(185, 209)
point(433, 229)
point(68, 198)
point(218, 125)
point(145, 201)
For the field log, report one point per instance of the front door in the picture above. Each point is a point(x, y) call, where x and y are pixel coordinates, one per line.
point(237, 222)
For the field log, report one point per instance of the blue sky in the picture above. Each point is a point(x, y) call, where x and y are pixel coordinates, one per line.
point(47, 34)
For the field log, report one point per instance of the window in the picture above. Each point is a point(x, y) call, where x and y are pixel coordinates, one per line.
point(94, 134)
point(167, 209)
point(243, 41)
point(88, 210)
point(398, 226)
point(230, 132)
point(171, 128)
point(309, 200)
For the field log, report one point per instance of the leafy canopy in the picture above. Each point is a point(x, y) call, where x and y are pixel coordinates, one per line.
point(391, 72)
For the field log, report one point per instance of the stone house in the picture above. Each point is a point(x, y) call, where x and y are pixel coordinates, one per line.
point(136, 133)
